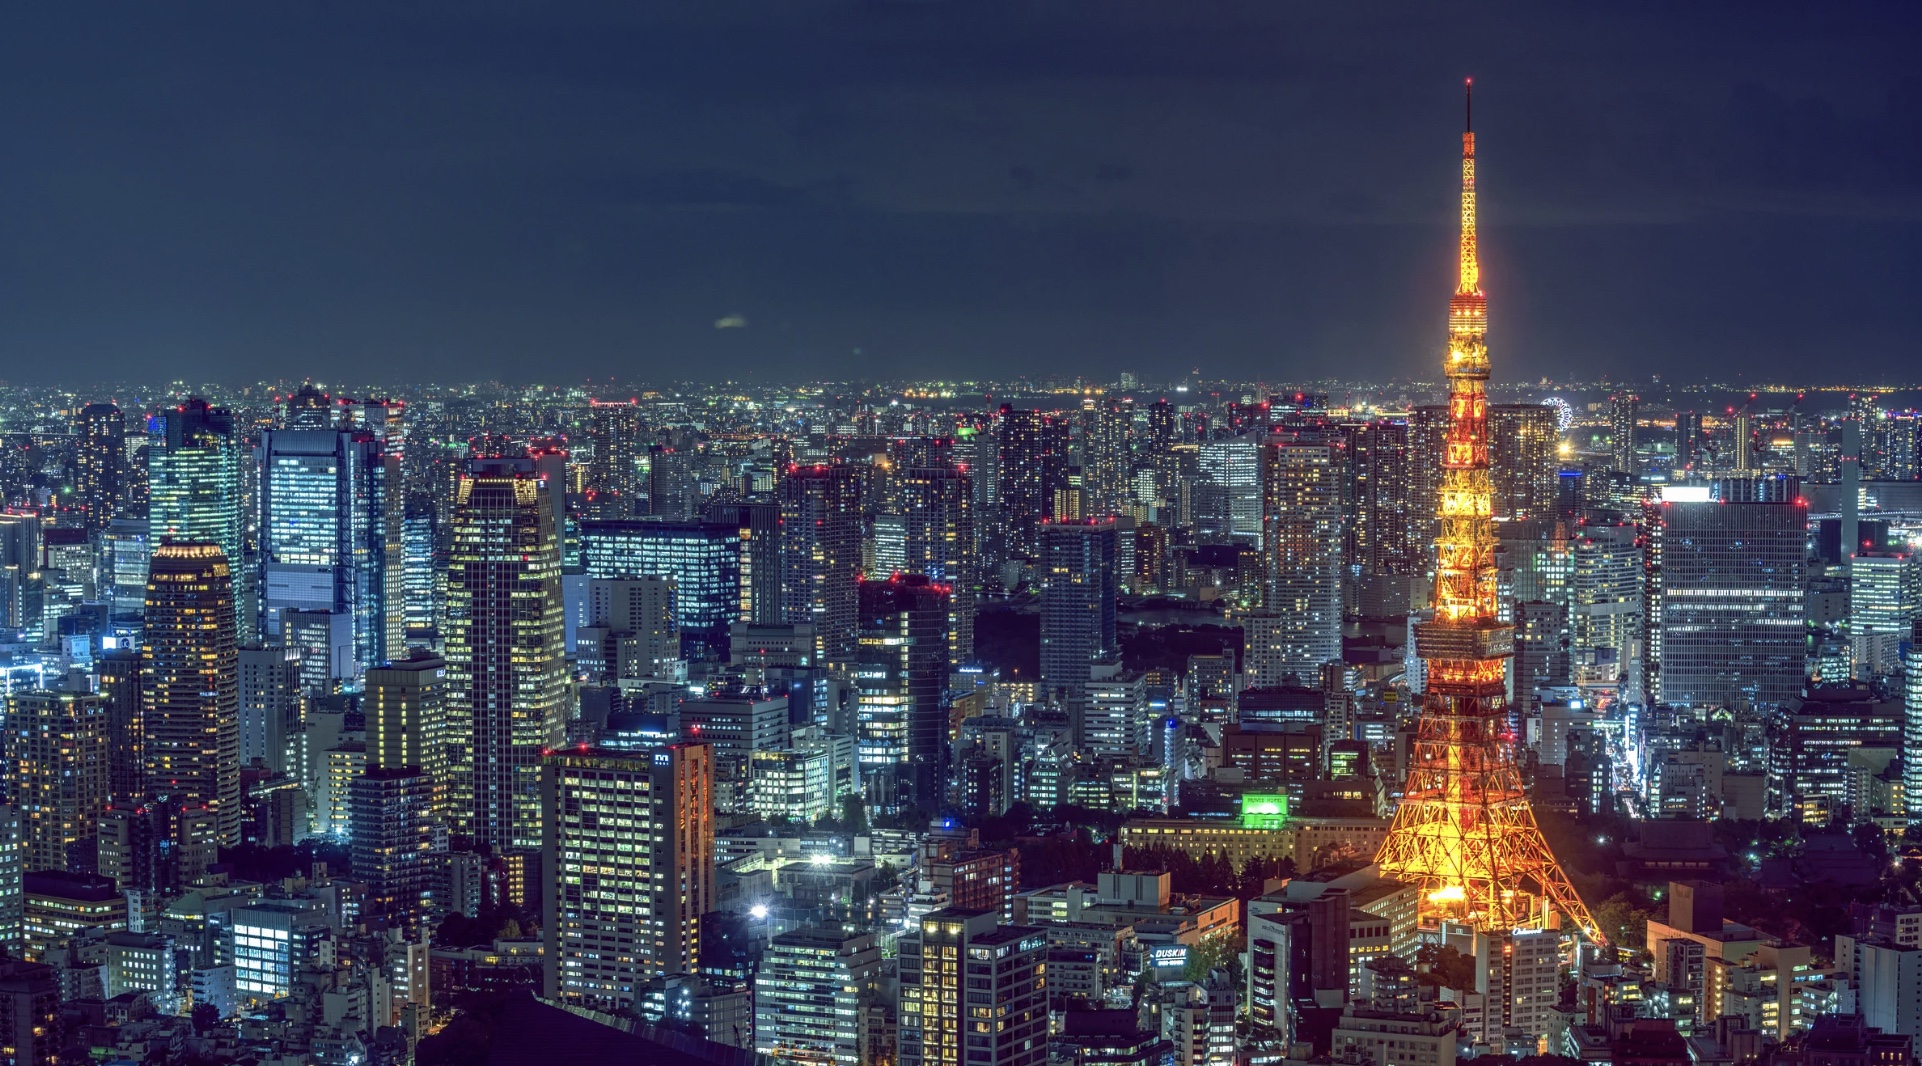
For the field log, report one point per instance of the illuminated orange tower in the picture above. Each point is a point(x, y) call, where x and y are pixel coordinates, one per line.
point(1465, 831)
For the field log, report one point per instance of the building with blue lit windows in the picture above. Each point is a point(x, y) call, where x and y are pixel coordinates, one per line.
point(703, 558)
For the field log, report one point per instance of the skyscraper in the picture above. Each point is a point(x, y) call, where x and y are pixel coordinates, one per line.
point(392, 820)
point(330, 536)
point(1077, 574)
point(953, 952)
point(1688, 439)
point(1885, 599)
point(614, 472)
point(1605, 603)
point(937, 513)
point(270, 706)
point(409, 722)
point(759, 525)
point(1301, 505)
point(189, 674)
point(1912, 714)
point(1621, 431)
point(118, 677)
point(1464, 831)
point(1033, 464)
point(901, 670)
point(611, 815)
point(821, 552)
point(506, 667)
point(193, 490)
point(101, 460)
point(1727, 600)
point(703, 559)
point(57, 775)
point(1523, 439)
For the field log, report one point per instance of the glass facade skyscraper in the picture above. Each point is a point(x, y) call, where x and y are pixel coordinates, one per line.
point(703, 558)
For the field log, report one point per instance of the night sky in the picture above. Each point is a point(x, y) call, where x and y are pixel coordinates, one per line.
point(786, 190)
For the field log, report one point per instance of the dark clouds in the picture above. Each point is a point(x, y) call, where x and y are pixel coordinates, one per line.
point(556, 190)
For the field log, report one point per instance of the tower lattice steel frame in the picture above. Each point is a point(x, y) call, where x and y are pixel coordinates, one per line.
point(1465, 831)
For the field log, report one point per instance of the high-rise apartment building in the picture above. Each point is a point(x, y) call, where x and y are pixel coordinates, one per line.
point(821, 554)
point(330, 536)
point(391, 822)
point(1076, 571)
point(190, 682)
point(900, 673)
point(156, 847)
point(100, 460)
point(1375, 529)
point(56, 759)
point(1523, 443)
point(614, 472)
point(1032, 465)
point(973, 992)
point(809, 992)
point(271, 705)
point(629, 856)
point(937, 517)
point(409, 722)
point(1301, 553)
point(507, 675)
point(117, 675)
point(1727, 592)
point(1622, 430)
point(703, 558)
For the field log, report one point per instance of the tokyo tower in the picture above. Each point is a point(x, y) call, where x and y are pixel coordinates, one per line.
point(1465, 832)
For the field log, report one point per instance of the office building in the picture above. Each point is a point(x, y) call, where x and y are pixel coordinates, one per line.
point(1605, 603)
point(1076, 571)
point(973, 992)
point(821, 555)
point(702, 558)
point(331, 507)
point(1727, 594)
point(194, 488)
point(60, 905)
point(629, 853)
point(1912, 719)
point(506, 667)
point(632, 629)
point(758, 525)
point(735, 726)
point(272, 942)
point(808, 996)
point(190, 682)
point(409, 722)
point(56, 759)
point(900, 674)
point(1885, 599)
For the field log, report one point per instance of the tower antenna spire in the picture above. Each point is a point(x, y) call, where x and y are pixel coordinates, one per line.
point(1468, 105)
point(1465, 831)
